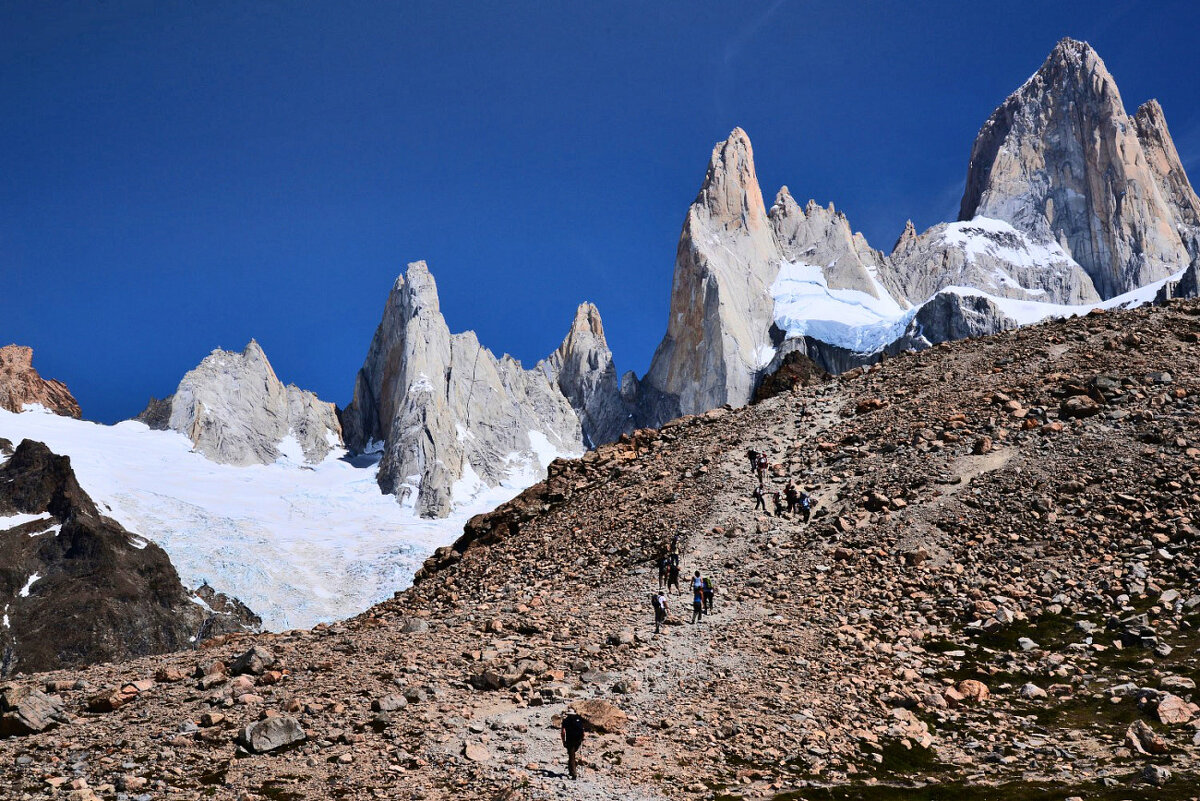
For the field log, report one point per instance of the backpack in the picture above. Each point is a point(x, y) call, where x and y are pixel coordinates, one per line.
point(573, 726)
point(654, 602)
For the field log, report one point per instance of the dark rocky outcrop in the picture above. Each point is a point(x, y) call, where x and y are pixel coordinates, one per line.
point(796, 370)
point(81, 588)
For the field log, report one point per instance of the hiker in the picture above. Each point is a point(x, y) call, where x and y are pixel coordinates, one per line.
point(778, 504)
point(664, 570)
point(752, 455)
point(675, 544)
point(760, 501)
point(673, 577)
point(697, 599)
point(572, 738)
point(659, 601)
point(761, 467)
point(710, 590)
point(793, 498)
point(805, 506)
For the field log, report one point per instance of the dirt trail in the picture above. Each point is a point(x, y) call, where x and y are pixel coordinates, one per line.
point(678, 663)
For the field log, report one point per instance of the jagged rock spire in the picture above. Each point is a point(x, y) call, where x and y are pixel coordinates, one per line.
point(717, 334)
point(450, 418)
point(582, 367)
point(1060, 160)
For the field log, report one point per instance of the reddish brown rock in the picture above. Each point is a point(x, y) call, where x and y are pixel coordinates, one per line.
point(20, 384)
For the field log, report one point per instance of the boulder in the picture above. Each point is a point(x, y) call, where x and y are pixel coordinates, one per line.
point(271, 733)
point(25, 711)
point(1142, 739)
point(256, 661)
point(601, 715)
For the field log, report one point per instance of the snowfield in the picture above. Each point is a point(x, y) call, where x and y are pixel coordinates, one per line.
point(299, 544)
point(805, 305)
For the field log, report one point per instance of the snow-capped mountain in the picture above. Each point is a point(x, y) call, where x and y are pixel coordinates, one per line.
point(1069, 204)
point(452, 421)
point(235, 410)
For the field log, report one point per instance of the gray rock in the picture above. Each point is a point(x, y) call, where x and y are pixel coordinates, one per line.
point(1062, 161)
point(25, 711)
point(271, 733)
point(1156, 775)
point(389, 703)
point(256, 661)
point(236, 411)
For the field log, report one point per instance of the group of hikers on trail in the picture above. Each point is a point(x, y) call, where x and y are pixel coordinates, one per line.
point(703, 589)
point(794, 501)
point(797, 500)
point(703, 592)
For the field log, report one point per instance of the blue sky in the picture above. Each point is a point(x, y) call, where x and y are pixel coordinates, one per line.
point(181, 176)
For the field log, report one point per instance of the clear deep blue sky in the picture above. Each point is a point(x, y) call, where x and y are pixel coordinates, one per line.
point(179, 176)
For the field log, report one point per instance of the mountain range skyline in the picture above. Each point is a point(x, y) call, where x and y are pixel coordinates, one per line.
point(313, 311)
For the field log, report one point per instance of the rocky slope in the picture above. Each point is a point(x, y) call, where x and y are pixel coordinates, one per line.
point(995, 599)
point(80, 589)
point(20, 384)
point(452, 419)
point(236, 411)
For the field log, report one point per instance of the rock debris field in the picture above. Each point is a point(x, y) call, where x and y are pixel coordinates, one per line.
point(996, 598)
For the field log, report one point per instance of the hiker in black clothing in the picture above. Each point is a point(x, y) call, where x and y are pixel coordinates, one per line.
point(778, 504)
point(572, 738)
point(752, 455)
point(760, 501)
point(789, 492)
point(659, 601)
point(673, 577)
point(709, 591)
point(664, 570)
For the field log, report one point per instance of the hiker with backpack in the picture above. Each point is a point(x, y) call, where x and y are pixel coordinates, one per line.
point(760, 498)
point(697, 598)
point(673, 576)
point(793, 498)
point(572, 739)
point(761, 467)
point(752, 455)
point(778, 504)
point(805, 504)
point(664, 570)
point(659, 601)
point(710, 590)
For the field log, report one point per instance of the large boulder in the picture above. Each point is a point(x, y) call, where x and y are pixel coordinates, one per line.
point(27, 711)
point(270, 734)
point(601, 715)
